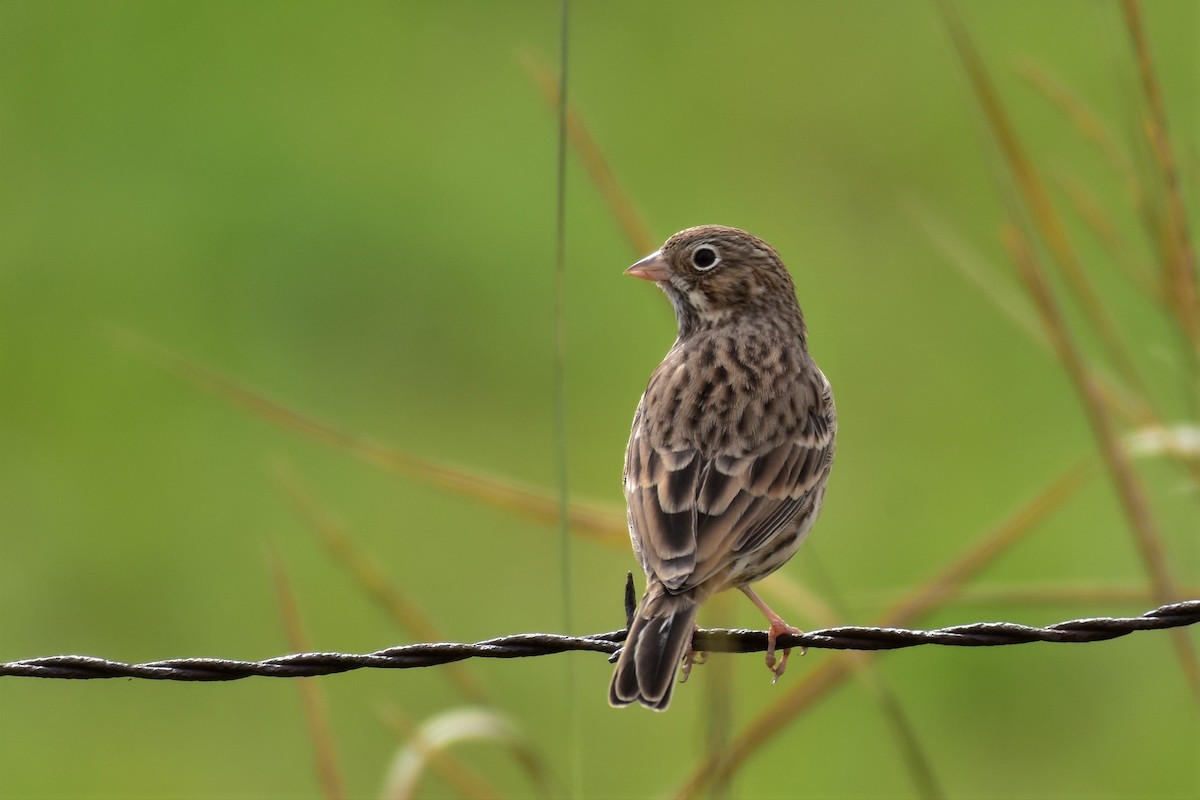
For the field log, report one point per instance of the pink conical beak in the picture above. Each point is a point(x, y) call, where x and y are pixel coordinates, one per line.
point(651, 268)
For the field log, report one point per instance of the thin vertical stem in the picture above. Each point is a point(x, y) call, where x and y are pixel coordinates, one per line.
point(560, 326)
point(560, 391)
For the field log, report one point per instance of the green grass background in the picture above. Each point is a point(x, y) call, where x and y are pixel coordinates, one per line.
point(351, 208)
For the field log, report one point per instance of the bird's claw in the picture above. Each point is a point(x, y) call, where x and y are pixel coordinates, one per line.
point(779, 628)
point(690, 659)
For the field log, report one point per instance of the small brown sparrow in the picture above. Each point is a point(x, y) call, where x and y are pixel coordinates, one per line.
point(730, 450)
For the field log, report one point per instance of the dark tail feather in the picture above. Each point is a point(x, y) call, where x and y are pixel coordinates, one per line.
point(658, 638)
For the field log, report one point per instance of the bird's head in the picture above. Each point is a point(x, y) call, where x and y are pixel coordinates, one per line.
point(715, 275)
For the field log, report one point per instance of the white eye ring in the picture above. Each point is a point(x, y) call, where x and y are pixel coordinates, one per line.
point(701, 255)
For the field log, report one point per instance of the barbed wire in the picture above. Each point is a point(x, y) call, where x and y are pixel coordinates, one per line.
point(524, 645)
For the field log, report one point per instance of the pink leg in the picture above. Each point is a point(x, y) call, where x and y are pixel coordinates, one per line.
point(777, 629)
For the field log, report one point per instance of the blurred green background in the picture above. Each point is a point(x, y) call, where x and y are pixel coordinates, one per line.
point(350, 207)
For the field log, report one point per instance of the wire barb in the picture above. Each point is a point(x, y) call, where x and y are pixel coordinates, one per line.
point(524, 645)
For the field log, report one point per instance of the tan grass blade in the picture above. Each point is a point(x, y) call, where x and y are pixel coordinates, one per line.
point(1036, 198)
point(1089, 209)
point(1086, 121)
point(315, 715)
point(962, 256)
point(430, 743)
point(586, 519)
point(943, 586)
point(1095, 130)
point(378, 586)
point(1132, 409)
point(1179, 258)
point(1125, 480)
point(628, 217)
point(974, 268)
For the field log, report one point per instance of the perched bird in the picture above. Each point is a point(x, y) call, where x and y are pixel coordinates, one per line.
point(730, 450)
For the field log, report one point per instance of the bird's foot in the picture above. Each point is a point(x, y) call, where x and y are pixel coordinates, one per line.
point(779, 628)
point(690, 659)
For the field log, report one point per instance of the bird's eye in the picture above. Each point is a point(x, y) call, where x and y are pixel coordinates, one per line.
point(705, 257)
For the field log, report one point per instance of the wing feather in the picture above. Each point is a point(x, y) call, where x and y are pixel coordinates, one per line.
point(692, 517)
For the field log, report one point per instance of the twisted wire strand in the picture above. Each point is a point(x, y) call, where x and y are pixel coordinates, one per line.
point(523, 645)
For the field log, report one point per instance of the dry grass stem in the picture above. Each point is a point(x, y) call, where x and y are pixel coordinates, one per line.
point(974, 267)
point(1179, 261)
point(1125, 480)
point(1036, 198)
point(408, 615)
point(817, 684)
point(591, 520)
point(1087, 122)
point(316, 716)
point(636, 232)
point(719, 686)
point(962, 256)
point(1100, 223)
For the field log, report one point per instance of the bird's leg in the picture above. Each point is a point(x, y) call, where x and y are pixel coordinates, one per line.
point(691, 658)
point(778, 628)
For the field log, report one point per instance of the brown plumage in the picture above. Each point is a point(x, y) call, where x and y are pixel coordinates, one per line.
point(730, 450)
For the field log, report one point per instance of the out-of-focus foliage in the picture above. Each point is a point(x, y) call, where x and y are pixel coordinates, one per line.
point(350, 208)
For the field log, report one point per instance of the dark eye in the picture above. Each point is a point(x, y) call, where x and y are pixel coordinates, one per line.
point(704, 257)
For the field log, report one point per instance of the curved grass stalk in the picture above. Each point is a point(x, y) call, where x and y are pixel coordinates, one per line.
point(430, 744)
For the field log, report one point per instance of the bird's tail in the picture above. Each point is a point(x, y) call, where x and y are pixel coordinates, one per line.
point(658, 639)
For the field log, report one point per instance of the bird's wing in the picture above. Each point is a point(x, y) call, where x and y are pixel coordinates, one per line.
point(660, 488)
point(692, 517)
